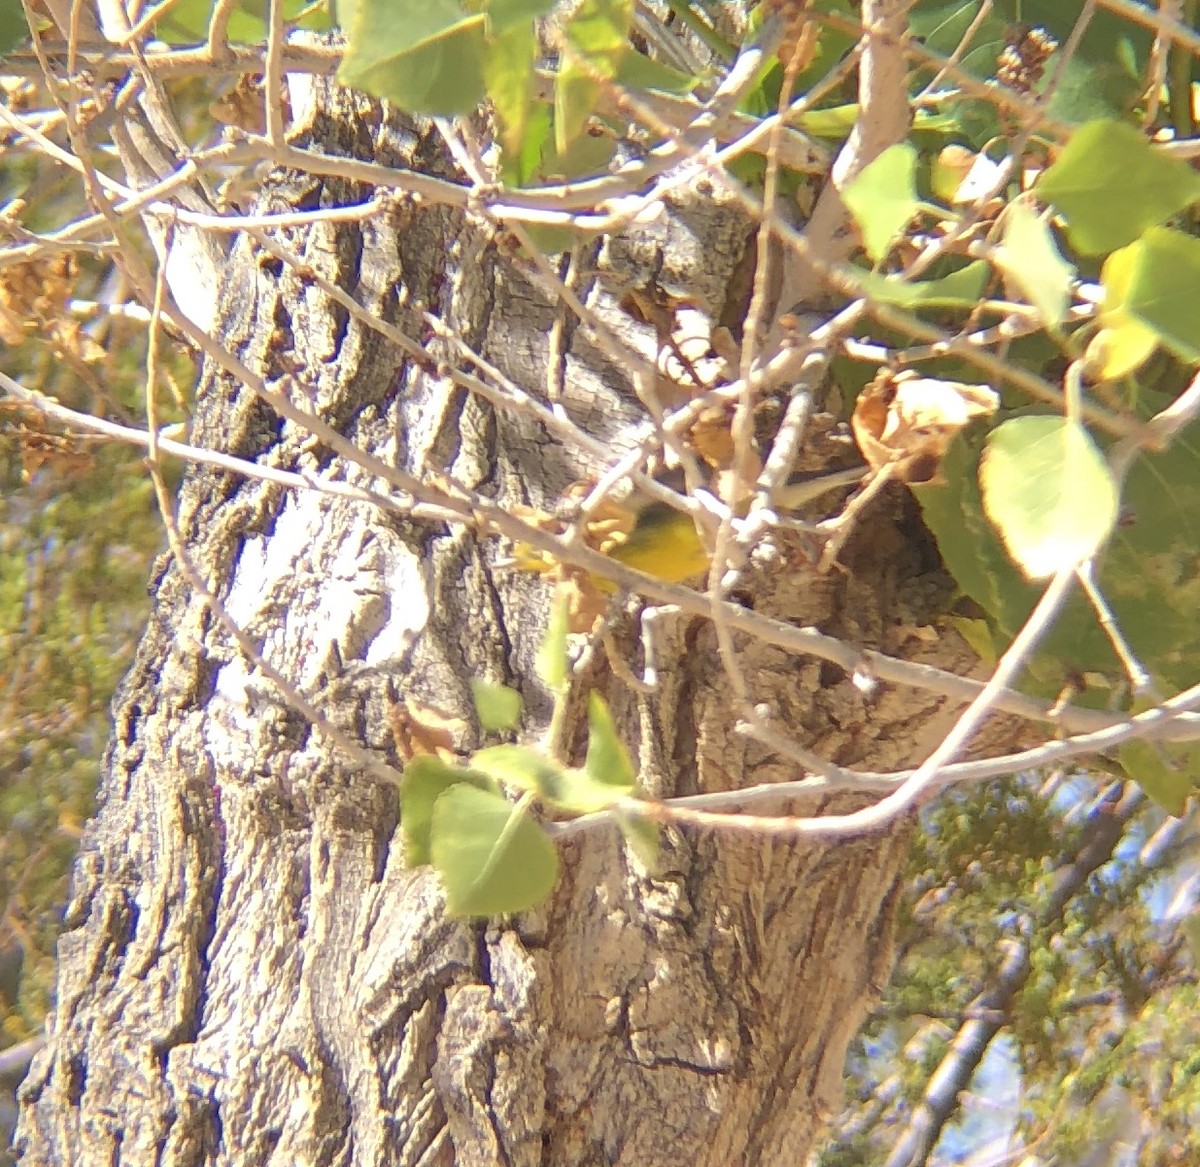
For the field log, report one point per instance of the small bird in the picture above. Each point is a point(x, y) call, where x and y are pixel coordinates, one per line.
point(665, 543)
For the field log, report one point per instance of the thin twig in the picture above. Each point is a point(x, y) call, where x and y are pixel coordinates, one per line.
point(273, 98)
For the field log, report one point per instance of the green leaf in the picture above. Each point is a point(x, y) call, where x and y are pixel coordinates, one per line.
point(1111, 184)
point(599, 32)
point(1162, 289)
point(835, 122)
point(597, 38)
point(1031, 261)
point(585, 156)
point(519, 766)
point(1103, 74)
point(1148, 572)
point(1122, 343)
point(426, 56)
point(883, 198)
point(607, 759)
point(642, 838)
point(506, 15)
point(13, 27)
point(961, 288)
point(520, 166)
point(508, 75)
point(492, 857)
point(187, 22)
point(576, 95)
point(968, 543)
point(1048, 491)
point(636, 71)
point(424, 780)
point(579, 792)
point(497, 706)
point(979, 636)
point(1169, 783)
point(551, 662)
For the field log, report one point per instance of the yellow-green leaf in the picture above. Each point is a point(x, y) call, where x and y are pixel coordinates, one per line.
point(1048, 491)
point(519, 766)
point(492, 857)
point(423, 782)
point(1111, 184)
point(497, 706)
point(426, 56)
point(551, 661)
point(1167, 781)
point(883, 198)
point(608, 760)
point(1032, 263)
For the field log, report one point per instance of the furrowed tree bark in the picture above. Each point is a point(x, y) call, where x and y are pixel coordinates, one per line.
point(249, 974)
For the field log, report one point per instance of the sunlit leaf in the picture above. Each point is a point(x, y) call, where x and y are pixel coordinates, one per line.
point(1032, 263)
point(578, 792)
point(1123, 343)
point(597, 41)
point(1148, 572)
point(497, 706)
point(424, 780)
point(426, 56)
point(506, 15)
point(551, 662)
point(1048, 491)
point(1161, 282)
point(519, 766)
point(1119, 349)
point(1111, 184)
point(883, 198)
point(961, 288)
point(607, 758)
point(508, 75)
point(188, 21)
point(492, 858)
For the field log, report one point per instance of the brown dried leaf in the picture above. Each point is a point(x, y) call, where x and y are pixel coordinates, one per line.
point(586, 603)
point(423, 729)
point(712, 438)
point(65, 454)
point(907, 421)
point(78, 342)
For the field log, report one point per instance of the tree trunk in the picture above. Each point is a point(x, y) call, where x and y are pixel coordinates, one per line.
point(249, 974)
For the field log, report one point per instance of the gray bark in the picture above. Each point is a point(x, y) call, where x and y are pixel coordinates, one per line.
point(249, 975)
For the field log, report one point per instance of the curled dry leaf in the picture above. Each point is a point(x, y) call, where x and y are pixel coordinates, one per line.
point(686, 361)
point(423, 729)
point(906, 421)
